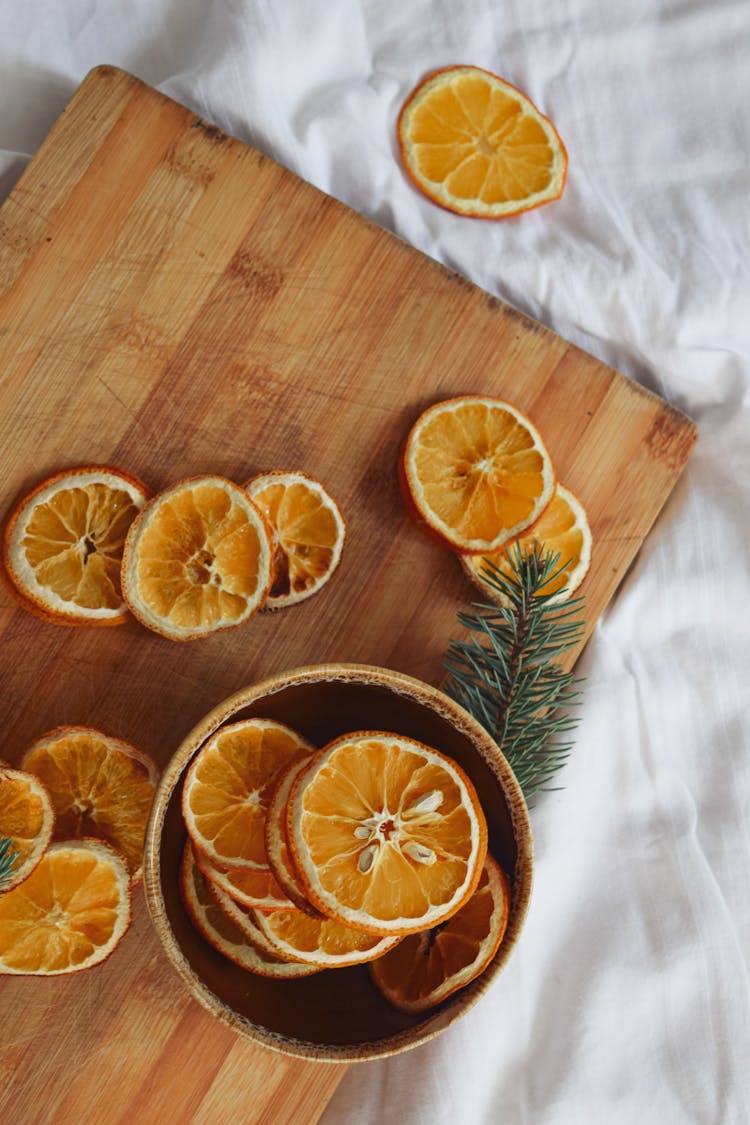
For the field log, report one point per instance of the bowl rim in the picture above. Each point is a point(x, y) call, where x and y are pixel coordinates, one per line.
point(402, 684)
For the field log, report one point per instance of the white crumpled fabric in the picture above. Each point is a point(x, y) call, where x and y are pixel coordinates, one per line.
point(627, 999)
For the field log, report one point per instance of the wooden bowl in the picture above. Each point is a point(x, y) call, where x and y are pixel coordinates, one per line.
point(337, 1015)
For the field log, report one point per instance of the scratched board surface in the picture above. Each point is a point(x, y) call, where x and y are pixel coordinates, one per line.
point(176, 303)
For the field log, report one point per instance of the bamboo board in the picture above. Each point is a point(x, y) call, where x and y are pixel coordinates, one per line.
point(176, 303)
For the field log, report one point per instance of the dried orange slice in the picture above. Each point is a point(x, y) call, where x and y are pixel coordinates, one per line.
point(475, 472)
point(220, 931)
point(69, 914)
point(308, 534)
point(320, 941)
point(99, 786)
point(26, 820)
point(476, 145)
point(227, 788)
point(562, 528)
point(387, 834)
point(249, 886)
point(63, 544)
point(277, 842)
point(197, 559)
point(426, 968)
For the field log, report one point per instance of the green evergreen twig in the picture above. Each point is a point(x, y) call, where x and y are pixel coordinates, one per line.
point(7, 861)
point(506, 674)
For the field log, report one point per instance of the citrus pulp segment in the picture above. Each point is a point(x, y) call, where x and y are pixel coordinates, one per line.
point(386, 833)
point(99, 787)
point(63, 544)
point(220, 931)
point(227, 787)
point(563, 529)
point(308, 533)
point(26, 819)
point(427, 967)
point(476, 145)
point(69, 914)
point(475, 472)
point(197, 559)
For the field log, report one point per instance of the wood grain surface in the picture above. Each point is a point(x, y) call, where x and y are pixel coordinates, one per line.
point(176, 303)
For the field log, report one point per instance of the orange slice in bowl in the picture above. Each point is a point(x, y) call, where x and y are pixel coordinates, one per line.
point(197, 559)
point(426, 968)
point(26, 820)
point(63, 545)
point(99, 786)
point(220, 931)
point(320, 941)
point(476, 145)
point(227, 788)
point(387, 834)
point(308, 532)
point(277, 841)
point(250, 886)
point(69, 914)
point(562, 528)
point(475, 472)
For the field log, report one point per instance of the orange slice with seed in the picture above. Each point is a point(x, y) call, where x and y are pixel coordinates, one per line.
point(99, 786)
point(223, 933)
point(70, 913)
point(64, 541)
point(428, 967)
point(476, 145)
point(227, 788)
point(308, 533)
point(562, 528)
point(26, 820)
point(197, 559)
point(387, 834)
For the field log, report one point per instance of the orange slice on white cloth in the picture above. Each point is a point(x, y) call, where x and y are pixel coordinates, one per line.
point(69, 914)
point(387, 834)
point(64, 541)
point(427, 968)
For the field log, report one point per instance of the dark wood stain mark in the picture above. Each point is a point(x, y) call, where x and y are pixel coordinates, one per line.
point(211, 132)
point(254, 275)
point(670, 438)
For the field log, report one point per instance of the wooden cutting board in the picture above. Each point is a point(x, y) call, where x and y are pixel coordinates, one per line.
point(177, 303)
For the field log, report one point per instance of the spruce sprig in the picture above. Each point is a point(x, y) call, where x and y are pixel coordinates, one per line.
point(7, 861)
point(506, 673)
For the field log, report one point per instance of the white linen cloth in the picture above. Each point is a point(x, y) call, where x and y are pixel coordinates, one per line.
point(627, 999)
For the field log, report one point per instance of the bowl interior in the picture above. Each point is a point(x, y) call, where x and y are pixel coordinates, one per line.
point(337, 1013)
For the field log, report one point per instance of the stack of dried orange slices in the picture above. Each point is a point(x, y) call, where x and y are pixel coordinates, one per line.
point(475, 474)
point(88, 547)
point(75, 814)
point(371, 849)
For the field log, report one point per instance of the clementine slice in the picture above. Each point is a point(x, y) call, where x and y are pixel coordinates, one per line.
point(428, 967)
point(69, 914)
point(250, 886)
point(99, 786)
point(475, 472)
point(197, 559)
point(387, 834)
point(308, 533)
point(63, 544)
point(562, 528)
point(277, 841)
point(26, 821)
point(227, 788)
point(220, 931)
point(476, 145)
point(320, 941)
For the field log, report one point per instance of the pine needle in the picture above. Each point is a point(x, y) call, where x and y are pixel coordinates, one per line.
point(506, 674)
point(7, 861)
